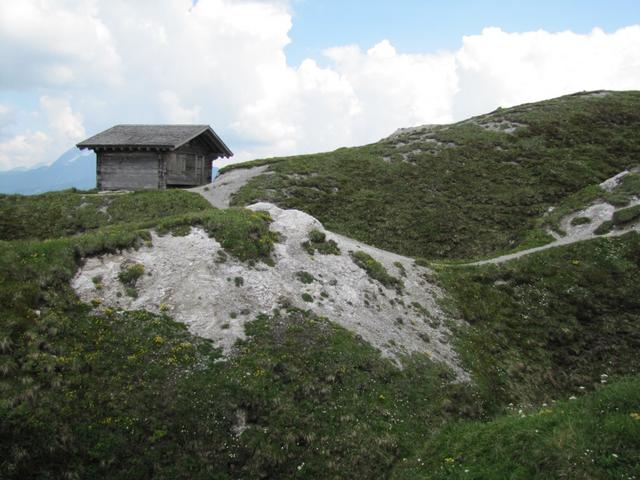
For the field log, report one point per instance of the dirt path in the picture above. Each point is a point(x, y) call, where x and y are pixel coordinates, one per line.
point(557, 243)
point(598, 213)
point(224, 186)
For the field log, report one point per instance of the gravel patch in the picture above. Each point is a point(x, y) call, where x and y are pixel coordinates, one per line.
point(224, 186)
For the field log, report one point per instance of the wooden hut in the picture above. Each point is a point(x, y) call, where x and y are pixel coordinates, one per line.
point(138, 157)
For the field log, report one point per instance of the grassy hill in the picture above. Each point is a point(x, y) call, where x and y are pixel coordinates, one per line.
point(550, 340)
point(469, 189)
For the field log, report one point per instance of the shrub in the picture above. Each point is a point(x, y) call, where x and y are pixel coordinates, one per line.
point(317, 236)
point(307, 297)
point(604, 227)
point(626, 215)
point(580, 221)
point(318, 243)
point(130, 273)
point(376, 270)
point(305, 277)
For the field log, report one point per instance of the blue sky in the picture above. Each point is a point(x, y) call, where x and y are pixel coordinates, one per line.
point(419, 25)
point(285, 77)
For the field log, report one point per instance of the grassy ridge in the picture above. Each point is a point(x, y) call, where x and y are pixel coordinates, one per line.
point(461, 191)
point(59, 214)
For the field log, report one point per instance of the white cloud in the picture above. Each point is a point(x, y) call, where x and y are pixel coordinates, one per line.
point(23, 151)
point(55, 44)
point(222, 62)
point(497, 68)
point(27, 149)
point(174, 111)
point(61, 119)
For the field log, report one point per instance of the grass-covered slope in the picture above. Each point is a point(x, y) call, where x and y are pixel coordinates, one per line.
point(587, 437)
point(547, 324)
point(91, 393)
point(132, 395)
point(464, 190)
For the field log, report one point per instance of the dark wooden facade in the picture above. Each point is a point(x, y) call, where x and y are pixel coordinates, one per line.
point(143, 157)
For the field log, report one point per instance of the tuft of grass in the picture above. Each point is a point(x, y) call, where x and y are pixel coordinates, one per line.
point(97, 282)
point(305, 277)
point(316, 236)
point(130, 273)
point(376, 270)
point(580, 221)
point(318, 243)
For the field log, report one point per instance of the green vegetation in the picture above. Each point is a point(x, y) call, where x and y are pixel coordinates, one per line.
point(305, 277)
point(88, 391)
point(626, 215)
point(242, 233)
point(620, 196)
point(604, 228)
point(594, 436)
point(318, 243)
point(574, 202)
point(629, 187)
point(375, 270)
point(580, 221)
point(130, 273)
point(116, 394)
point(469, 192)
point(547, 324)
point(401, 269)
point(621, 218)
point(59, 214)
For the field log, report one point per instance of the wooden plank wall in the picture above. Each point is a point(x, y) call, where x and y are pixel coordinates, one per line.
point(199, 174)
point(128, 171)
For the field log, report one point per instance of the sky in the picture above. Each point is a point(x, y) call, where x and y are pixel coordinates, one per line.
point(284, 77)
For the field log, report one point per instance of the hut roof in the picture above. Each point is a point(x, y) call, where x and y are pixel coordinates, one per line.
point(154, 137)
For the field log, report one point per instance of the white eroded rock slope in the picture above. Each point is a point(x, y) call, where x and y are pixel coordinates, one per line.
point(185, 276)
